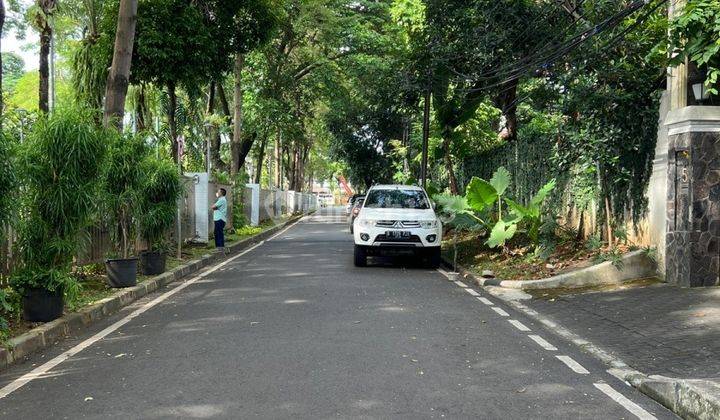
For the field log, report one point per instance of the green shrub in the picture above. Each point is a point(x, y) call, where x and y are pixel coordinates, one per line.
point(60, 163)
point(8, 179)
point(122, 182)
point(158, 201)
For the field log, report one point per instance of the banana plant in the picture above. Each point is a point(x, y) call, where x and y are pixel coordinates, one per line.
point(482, 196)
point(530, 214)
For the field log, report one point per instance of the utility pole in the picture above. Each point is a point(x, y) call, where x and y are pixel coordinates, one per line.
point(425, 137)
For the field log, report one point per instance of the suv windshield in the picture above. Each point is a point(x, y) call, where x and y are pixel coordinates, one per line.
point(396, 199)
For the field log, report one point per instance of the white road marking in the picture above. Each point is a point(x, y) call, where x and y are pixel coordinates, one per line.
point(626, 403)
point(572, 364)
point(43, 369)
point(485, 301)
point(461, 284)
point(472, 292)
point(500, 311)
point(542, 343)
point(519, 325)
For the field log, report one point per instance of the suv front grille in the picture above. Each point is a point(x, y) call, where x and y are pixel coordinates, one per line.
point(398, 224)
point(410, 224)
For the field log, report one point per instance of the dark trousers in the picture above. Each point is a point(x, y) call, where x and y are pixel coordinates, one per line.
point(219, 233)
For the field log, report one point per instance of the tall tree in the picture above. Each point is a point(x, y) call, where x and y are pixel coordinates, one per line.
point(119, 77)
point(43, 17)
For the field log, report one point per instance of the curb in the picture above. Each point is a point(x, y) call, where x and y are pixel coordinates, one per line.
point(636, 265)
point(689, 398)
point(50, 333)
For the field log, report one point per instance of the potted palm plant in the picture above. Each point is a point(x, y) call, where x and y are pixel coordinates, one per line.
point(61, 164)
point(121, 186)
point(157, 206)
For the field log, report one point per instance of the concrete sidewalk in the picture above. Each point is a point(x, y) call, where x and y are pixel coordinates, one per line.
point(658, 330)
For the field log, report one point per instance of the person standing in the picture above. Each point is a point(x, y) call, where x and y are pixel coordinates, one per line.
point(220, 218)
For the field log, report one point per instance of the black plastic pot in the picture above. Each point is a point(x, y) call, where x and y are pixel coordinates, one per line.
point(41, 305)
point(152, 263)
point(122, 272)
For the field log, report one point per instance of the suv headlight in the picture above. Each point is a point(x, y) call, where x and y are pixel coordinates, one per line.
point(366, 223)
point(428, 224)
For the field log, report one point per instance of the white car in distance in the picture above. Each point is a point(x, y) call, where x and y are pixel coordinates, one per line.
point(397, 220)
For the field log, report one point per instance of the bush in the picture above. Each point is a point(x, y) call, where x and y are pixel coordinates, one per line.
point(158, 201)
point(60, 163)
point(8, 179)
point(122, 182)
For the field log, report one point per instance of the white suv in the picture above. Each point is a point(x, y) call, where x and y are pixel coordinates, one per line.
point(397, 220)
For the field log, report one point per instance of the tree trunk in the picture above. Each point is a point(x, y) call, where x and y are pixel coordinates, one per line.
point(278, 161)
point(171, 120)
point(260, 160)
point(141, 111)
point(506, 101)
point(449, 165)
point(237, 116)
point(119, 77)
point(44, 93)
point(425, 138)
point(223, 101)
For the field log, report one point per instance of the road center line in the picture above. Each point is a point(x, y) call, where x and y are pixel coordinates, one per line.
point(461, 284)
point(572, 364)
point(472, 292)
point(519, 325)
point(542, 343)
point(500, 311)
point(485, 301)
point(625, 402)
point(46, 367)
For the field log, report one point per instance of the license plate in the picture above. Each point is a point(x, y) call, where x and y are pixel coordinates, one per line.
point(397, 234)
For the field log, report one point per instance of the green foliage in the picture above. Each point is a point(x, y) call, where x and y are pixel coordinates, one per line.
point(123, 178)
point(481, 196)
point(13, 67)
point(501, 233)
point(157, 204)
point(248, 230)
point(694, 35)
point(61, 163)
point(8, 179)
point(25, 94)
point(531, 215)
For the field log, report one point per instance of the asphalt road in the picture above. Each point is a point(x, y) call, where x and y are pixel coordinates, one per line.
point(291, 329)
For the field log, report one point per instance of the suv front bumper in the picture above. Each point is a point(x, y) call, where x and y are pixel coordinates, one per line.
point(377, 237)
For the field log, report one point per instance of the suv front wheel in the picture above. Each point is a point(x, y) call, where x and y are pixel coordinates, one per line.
point(432, 257)
point(360, 256)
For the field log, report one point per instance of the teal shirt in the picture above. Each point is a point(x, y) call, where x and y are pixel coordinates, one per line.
point(221, 212)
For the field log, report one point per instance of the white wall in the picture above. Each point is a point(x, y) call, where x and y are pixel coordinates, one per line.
point(657, 188)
